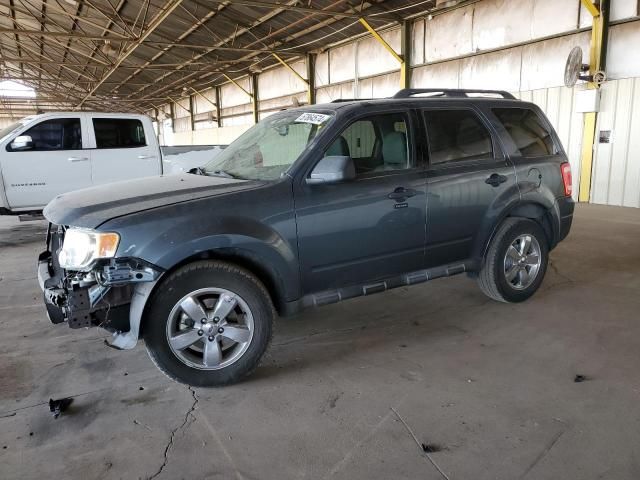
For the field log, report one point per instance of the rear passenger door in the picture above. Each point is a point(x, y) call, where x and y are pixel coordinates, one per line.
point(122, 149)
point(468, 178)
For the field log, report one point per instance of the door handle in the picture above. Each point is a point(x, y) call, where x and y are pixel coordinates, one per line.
point(495, 180)
point(142, 157)
point(78, 159)
point(400, 194)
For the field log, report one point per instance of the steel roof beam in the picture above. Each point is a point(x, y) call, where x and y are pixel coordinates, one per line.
point(169, 7)
point(312, 11)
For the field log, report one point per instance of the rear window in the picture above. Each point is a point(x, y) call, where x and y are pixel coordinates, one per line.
point(119, 133)
point(528, 131)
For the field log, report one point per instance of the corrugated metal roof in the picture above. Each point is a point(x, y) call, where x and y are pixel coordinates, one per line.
point(134, 54)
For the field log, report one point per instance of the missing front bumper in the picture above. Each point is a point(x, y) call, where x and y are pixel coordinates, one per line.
point(89, 304)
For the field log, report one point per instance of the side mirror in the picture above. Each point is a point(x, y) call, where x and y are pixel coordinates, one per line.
point(21, 142)
point(332, 169)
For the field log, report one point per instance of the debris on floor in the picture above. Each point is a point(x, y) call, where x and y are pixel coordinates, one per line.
point(430, 447)
point(580, 378)
point(57, 407)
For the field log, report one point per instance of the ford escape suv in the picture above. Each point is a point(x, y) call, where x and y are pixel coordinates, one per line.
point(311, 206)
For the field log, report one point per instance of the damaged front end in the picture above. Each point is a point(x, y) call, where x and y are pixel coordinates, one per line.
point(100, 294)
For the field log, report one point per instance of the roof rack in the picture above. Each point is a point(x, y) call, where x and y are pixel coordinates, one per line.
point(340, 100)
point(450, 92)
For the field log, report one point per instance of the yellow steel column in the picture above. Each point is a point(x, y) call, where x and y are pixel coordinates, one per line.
point(597, 55)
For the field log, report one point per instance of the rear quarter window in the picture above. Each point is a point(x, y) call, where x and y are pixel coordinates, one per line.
point(528, 130)
point(119, 133)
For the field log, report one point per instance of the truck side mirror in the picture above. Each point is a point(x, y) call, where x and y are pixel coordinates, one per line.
point(332, 169)
point(21, 143)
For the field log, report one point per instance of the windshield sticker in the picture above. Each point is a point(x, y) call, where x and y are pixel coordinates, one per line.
point(314, 118)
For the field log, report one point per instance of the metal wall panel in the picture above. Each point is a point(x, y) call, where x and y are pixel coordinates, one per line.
point(449, 35)
point(501, 22)
point(623, 9)
point(553, 16)
point(445, 75)
point(417, 42)
point(616, 169)
point(373, 58)
point(623, 60)
point(231, 95)
point(385, 85)
point(342, 61)
point(498, 70)
point(280, 81)
point(322, 69)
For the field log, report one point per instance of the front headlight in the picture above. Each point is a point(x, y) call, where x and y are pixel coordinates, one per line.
point(82, 247)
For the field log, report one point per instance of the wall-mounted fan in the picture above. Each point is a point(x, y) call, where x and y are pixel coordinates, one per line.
point(575, 70)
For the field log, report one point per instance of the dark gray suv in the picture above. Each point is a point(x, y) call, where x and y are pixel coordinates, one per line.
point(311, 206)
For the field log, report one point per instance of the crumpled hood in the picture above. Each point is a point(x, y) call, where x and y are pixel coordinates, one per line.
point(90, 207)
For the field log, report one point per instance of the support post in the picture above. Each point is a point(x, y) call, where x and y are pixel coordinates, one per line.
point(191, 113)
point(311, 76)
point(172, 113)
point(405, 66)
point(255, 97)
point(597, 62)
point(218, 109)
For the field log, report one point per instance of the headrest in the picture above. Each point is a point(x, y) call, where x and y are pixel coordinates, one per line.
point(394, 149)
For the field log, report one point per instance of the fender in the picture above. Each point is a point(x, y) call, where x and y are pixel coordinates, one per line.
point(267, 255)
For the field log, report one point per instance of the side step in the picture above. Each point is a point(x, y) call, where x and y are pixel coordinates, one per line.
point(334, 296)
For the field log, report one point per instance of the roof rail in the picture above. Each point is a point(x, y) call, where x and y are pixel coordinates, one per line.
point(340, 100)
point(450, 92)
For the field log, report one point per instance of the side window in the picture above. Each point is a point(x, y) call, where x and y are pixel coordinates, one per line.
point(456, 135)
point(118, 133)
point(376, 144)
point(58, 134)
point(528, 131)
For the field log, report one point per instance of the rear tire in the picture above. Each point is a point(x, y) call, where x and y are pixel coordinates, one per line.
point(516, 261)
point(209, 324)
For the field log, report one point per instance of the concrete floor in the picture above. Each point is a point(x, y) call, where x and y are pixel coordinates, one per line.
point(346, 388)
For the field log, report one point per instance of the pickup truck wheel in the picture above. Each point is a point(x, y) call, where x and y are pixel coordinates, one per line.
point(209, 324)
point(516, 262)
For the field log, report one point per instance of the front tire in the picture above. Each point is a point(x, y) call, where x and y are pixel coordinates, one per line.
point(209, 324)
point(516, 261)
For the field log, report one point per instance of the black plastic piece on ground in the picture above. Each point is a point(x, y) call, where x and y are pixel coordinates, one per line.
point(57, 407)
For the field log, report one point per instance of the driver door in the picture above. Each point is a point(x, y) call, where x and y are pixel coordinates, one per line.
point(372, 227)
point(55, 162)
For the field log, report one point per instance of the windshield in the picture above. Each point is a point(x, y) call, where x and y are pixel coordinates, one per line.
point(7, 130)
point(269, 148)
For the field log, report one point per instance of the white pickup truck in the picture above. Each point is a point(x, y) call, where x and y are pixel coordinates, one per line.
point(42, 156)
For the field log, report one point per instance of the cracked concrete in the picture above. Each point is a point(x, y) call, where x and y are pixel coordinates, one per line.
point(189, 418)
point(490, 383)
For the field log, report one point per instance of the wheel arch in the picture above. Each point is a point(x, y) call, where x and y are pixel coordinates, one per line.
point(544, 215)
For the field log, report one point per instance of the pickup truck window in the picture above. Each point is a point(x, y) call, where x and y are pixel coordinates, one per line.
point(376, 144)
point(269, 148)
point(456, 135)
point(57, 134)
point(119, 133)
point(527, 130)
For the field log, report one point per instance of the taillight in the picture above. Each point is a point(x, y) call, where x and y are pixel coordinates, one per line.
point(565, 169)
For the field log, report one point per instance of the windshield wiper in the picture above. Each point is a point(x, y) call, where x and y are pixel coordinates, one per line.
point(220, 173)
